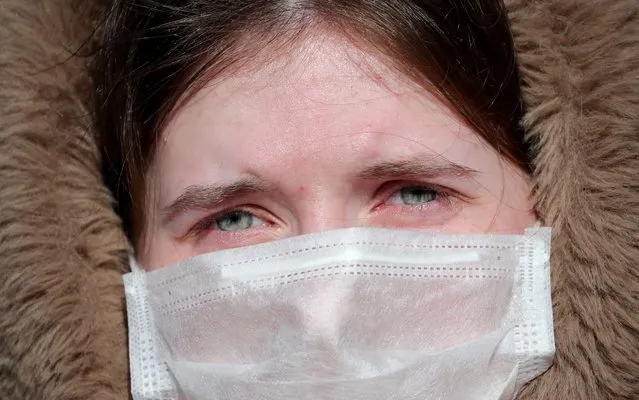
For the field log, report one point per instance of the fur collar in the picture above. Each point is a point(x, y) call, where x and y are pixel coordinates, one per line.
point(62, 324)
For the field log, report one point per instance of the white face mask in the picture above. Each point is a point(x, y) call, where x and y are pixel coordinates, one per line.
point(359, 313)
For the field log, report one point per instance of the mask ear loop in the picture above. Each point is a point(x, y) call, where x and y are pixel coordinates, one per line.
point(149, 377)
point(134, 266)
point(536, 335)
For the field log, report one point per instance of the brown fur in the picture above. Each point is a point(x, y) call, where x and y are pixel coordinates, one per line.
point(62, 324)
point(62, 332)
point(580, 65)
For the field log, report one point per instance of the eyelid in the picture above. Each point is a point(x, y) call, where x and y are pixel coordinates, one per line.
point(444, 190)
point(380, 196)
point(446, 195)
point(392, 187)
point(202, 225)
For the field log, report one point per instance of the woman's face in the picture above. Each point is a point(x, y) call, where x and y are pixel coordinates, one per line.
point(323, 138)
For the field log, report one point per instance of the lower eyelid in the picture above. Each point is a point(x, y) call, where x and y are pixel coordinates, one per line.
point(219, 240)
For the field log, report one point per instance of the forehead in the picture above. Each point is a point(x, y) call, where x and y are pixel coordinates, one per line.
point(326, 102)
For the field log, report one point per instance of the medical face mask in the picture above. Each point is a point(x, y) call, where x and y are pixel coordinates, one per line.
point(352, 314)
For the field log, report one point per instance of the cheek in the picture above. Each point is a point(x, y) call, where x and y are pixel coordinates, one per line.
point(160, 250)
point(491, 218)
point(513, 217)
point(516, 210)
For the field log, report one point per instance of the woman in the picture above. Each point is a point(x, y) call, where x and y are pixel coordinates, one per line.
point(232, 125)
point(61, 341)
point(372, 105)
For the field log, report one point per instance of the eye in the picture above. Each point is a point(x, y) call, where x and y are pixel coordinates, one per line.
point(414, 195)
point(231, 221)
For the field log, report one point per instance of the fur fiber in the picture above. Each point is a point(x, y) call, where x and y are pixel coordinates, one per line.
point(62, 251)
point(62, 332)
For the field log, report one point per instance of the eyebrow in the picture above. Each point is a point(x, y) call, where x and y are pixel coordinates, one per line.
point(424, 167)
point(202, 197)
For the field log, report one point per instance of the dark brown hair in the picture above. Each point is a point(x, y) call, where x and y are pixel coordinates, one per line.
point(154, 52)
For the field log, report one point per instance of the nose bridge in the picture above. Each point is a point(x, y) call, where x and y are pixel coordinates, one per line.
point(324, 223)
point(326, 214)
point(323, 208)
point(318, 180)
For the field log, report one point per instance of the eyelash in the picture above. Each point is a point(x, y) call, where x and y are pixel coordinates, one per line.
point(205, 224)
point(441, 194)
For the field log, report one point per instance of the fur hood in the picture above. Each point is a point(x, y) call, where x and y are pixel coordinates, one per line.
point(62, 251)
